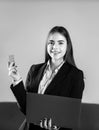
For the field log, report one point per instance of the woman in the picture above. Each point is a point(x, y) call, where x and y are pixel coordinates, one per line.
point(58, 75)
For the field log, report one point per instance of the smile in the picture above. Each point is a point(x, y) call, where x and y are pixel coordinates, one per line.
point(55, 52)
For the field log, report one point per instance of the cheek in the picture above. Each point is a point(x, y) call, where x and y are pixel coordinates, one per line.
point(64, 48)
point(48, 48)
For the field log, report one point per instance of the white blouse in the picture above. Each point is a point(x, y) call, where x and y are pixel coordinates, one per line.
point(47, 77)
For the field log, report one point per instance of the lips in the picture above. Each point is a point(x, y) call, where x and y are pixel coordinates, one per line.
point(55, 52)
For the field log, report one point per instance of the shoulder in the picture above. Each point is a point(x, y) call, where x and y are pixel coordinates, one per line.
point(36, 67)
point(75, 70)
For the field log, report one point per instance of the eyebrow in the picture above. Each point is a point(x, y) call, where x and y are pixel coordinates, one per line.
point(58, 40)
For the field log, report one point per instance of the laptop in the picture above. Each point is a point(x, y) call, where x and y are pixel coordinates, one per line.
point(63, 111)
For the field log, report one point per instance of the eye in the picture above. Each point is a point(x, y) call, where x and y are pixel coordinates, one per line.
point(61, 43)
point(51, 42)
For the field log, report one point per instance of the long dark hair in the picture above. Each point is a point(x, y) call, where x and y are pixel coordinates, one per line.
point(68, 57)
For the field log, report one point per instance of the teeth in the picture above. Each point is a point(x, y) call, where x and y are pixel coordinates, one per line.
point(55, 51)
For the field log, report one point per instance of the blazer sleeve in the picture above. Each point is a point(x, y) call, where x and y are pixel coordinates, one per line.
point(20, 90)
point(20, 95)
point(77, 85)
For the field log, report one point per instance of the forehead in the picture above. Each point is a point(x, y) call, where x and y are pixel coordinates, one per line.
point(56, 36)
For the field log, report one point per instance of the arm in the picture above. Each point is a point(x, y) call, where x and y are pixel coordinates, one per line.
point(77, 89)
point(20, 95)
point(77, 85)
point(19, 92)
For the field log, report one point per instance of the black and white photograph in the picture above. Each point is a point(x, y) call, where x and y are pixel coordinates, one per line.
point(49, 65)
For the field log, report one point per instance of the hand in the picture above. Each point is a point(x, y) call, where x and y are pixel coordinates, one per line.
point(47, 124)
point(12, 72)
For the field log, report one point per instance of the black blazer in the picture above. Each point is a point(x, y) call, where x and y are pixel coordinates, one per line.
point(68, 82)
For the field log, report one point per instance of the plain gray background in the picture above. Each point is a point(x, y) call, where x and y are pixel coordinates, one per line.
point(24, 26)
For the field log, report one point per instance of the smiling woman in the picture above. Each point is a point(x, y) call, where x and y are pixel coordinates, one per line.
point(58, 75)
point(56, 47)
point(59, 36)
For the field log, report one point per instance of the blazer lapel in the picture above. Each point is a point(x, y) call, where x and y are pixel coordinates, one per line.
point(39, 77)
point(63, 72)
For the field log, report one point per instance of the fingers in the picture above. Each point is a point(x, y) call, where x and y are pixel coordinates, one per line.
point(50, 124)
point(44, 123)
point(47, 124)
point(55, 127)
point(11, 65)
point(12, 69)
point(12, 72)
point(41, 124)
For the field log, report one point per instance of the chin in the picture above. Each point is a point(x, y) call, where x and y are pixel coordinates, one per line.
point(56, 58)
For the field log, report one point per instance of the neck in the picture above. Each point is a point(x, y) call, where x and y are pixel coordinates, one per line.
point(56, 63)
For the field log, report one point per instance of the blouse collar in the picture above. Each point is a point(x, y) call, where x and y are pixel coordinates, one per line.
point(48, 67)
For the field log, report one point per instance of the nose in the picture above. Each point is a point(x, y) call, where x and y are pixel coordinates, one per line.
point(55, 46)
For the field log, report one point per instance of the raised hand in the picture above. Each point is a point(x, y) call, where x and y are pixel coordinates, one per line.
point(13, 72)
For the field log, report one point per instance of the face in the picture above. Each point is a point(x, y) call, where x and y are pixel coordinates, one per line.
point(56, 46)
